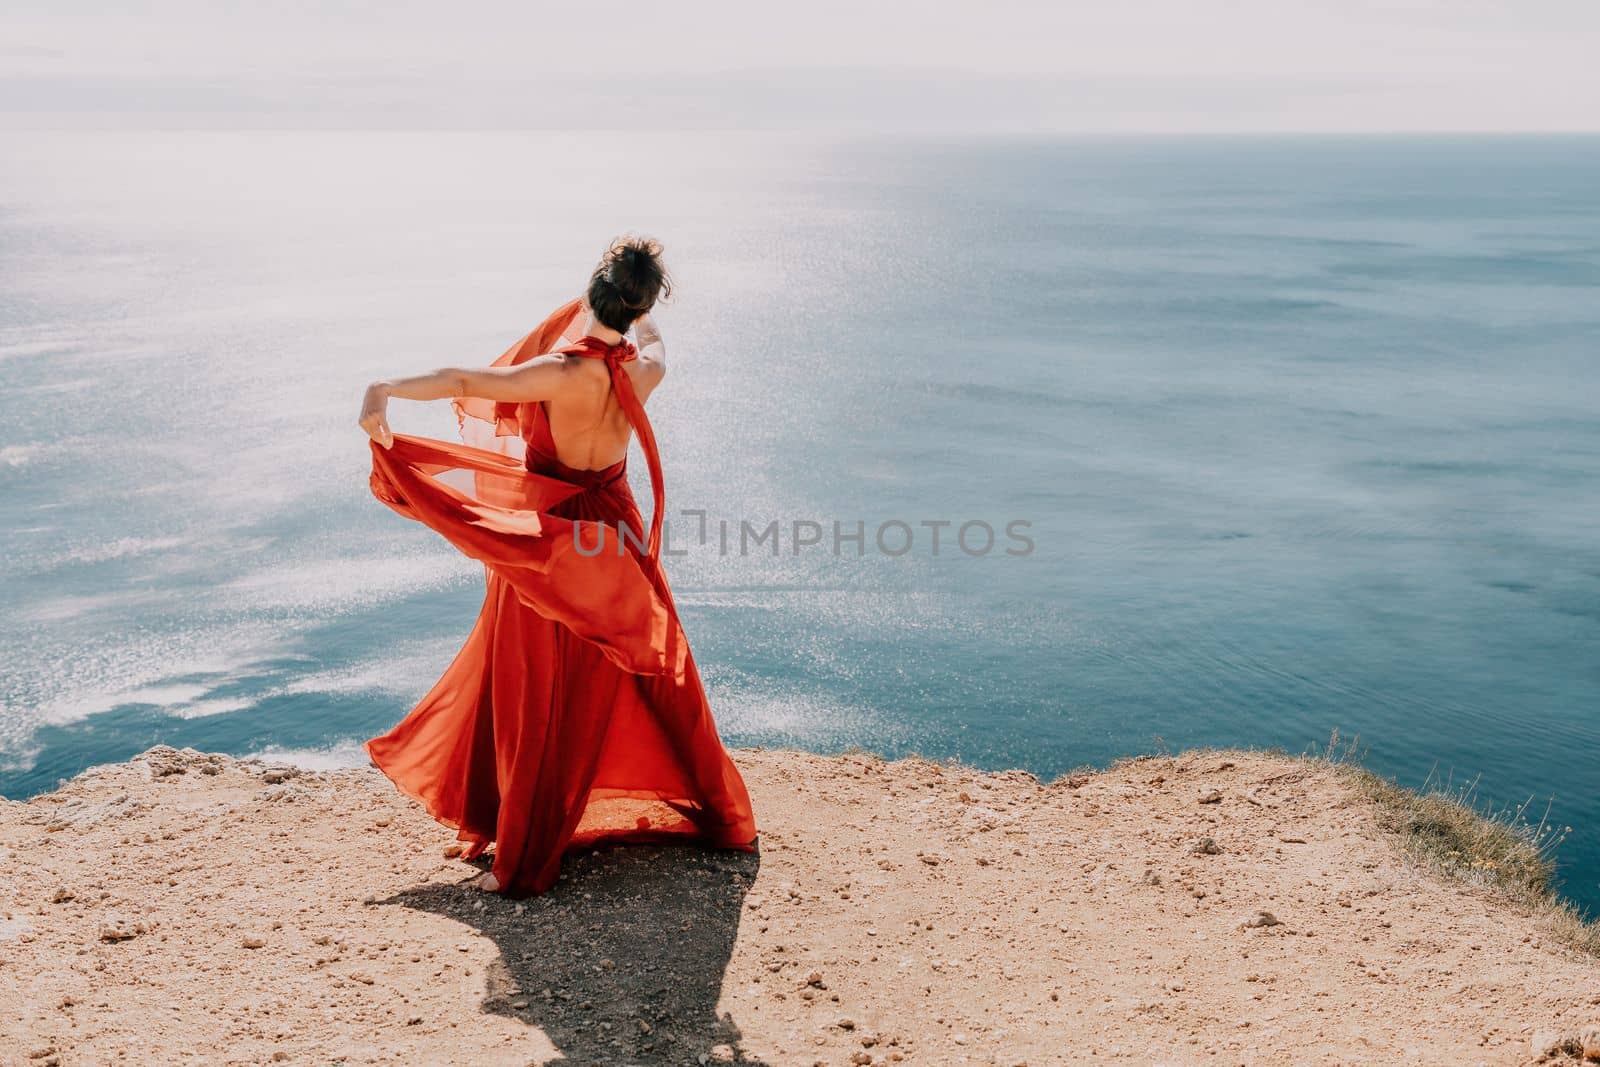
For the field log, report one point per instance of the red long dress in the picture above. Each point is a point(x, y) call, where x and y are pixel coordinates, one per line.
point(574, 712)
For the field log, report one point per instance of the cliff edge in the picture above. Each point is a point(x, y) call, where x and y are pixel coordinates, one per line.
point(1213, 907)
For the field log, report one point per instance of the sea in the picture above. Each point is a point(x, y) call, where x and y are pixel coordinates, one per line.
point(1027, 452)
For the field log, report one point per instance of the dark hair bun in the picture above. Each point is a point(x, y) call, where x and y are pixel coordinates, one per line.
point(628, 281)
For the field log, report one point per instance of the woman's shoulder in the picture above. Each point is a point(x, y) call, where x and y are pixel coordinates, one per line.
point(645, 374)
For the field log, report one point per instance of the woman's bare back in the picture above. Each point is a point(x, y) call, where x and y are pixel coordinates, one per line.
point(587, 423)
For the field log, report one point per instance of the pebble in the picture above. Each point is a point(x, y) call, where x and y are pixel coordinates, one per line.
point(1213, 797)
point(253, 941)
point(1590, 1041)
point(1206, 847)
point(1263, 918)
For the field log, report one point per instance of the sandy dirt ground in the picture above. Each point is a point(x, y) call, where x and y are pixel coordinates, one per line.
point(1210, 908)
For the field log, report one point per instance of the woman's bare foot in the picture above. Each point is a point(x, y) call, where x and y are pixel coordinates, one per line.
point(488, 882)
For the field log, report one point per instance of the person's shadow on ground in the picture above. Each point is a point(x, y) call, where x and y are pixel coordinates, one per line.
point(622, 962)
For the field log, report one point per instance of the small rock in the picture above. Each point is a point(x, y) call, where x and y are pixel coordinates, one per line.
point(120, 930)
point(164, 760)
point(1206, 847)
point(1262, 918)
point(1213, 797)
point(62, 895)
point(253, 941)
point(453, 850)
point(1589, 1041)
point(846, 1023)
point(861, 1057)
point(279, 773)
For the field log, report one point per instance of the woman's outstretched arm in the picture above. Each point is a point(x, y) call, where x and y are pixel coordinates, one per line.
point(538, 379)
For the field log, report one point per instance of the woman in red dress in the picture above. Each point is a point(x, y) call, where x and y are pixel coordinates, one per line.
point(574, 712)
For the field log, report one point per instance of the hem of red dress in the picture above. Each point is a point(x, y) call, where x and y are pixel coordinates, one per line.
point(462, 834)
point(617, 836)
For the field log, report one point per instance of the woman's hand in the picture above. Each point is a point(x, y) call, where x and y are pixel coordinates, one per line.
point(374, 414)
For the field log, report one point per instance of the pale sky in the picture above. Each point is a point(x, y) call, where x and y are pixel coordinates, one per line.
point(994, 66)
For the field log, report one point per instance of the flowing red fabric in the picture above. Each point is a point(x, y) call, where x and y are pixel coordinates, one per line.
point(574, 713)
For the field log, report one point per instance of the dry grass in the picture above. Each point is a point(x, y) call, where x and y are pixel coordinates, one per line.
point(1445, 828)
